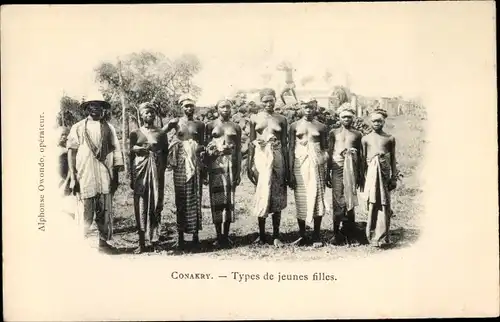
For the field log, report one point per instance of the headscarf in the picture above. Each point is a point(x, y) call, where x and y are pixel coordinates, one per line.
point(144, 107)
point(346, 109)
point(186, 99)
point(267, 92)
point(224, 100)
point(308, 101)
point(380, 111)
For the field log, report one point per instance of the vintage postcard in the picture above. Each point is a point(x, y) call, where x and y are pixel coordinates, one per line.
point(249, 161)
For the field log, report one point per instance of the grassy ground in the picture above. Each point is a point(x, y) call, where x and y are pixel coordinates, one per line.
point(407, 206)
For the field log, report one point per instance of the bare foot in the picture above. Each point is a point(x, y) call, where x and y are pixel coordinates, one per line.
point(301, 241)
point(259, 242)
point(217, 244)
point(106, 248)
point(229, 242)
point(337, 240)
point(139, 250)
point(318, 244)
point(156, 247)
point(277, 243)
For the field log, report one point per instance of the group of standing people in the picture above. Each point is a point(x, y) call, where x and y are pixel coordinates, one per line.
point(302, 156)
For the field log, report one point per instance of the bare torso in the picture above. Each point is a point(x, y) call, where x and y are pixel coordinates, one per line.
point(229, 130)
point(157, 139)
point(343, 138)
point(308, 131)
point(377, 143)
point(187, 129)
point(273, 125)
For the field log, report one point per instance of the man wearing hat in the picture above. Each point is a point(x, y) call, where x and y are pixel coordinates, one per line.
point(148, 160)
point(94, 158)
point(185, 152)
point(345, 173)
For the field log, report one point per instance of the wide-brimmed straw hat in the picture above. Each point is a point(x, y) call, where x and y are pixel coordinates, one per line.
point(95, 97)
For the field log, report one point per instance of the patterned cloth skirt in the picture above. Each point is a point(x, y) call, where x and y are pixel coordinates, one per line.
point(304, 194)
point(221, 190)
point(187, 197)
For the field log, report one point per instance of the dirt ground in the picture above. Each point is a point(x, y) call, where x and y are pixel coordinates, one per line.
point(406, 199)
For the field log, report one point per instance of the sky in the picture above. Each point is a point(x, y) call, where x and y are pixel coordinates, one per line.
point(382, 47)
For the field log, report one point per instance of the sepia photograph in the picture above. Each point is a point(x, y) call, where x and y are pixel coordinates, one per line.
point(240, 145)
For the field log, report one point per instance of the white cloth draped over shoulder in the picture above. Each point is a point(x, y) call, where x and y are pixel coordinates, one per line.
point(92, 175)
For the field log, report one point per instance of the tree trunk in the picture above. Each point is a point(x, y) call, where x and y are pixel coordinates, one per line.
point(125, 120)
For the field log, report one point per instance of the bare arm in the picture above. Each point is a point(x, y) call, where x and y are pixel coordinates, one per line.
point(202, 141)
point(284, 146)
point(331, 147)
point(237, 166)
point(361, 163)
point(208, 133)
point(133, 151)
point(251, 150)
point(164, 150)
point(323, 138)
point(364, 147)
point(202, 134)
point(393, 157)
point(291, 150)
point(171, 124)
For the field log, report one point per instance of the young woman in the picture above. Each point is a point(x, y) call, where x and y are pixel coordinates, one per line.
point(224, 167)
point(148, 160)
point(308, 160)
point(345, 174)
point(268, 164)
point(381, 179)
point(185, 153)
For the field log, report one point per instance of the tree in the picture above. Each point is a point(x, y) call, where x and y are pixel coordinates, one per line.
point(148, 77)
point(69, 112)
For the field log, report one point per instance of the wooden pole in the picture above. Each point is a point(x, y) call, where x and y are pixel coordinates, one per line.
point(125, 123)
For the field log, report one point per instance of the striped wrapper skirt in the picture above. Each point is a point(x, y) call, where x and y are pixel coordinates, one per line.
point(221, 189)
point(302, 191)
point(187, 196)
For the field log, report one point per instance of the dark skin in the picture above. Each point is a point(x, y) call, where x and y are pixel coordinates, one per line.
point(340, 139)
point(63, 157)
point(188, 128)
point(310, 130)
point(276, 125)
point(231, 132)
point(380, 142)
point(141, 147)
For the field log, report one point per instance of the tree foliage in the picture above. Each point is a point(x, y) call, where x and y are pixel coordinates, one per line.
point(148, 77)
point(69, 112)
